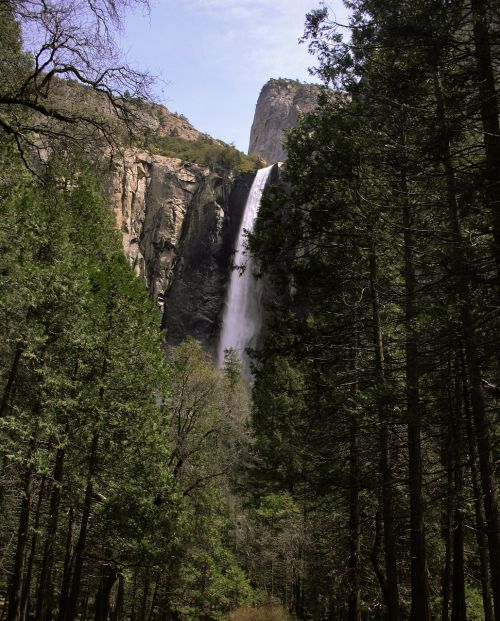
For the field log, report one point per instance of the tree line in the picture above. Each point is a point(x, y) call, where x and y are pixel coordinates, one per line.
point(116, 456)
point(115, 459)
point(376, 395)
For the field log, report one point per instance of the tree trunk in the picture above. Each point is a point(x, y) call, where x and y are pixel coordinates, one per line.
point(154, 599)
point(145, 596)
point(10, 380)
point(420, 608)
point(85, 602)
point(102, 601)
point(458, 609)
point(354, 522)
point(44, 597)
point(68, 569)
point(117, 607)
point(3, 411)
point(377, 538)
point(386, 483)
point(481, 539)
point(34, 540)
point(354, 509)
point(71, 611)
point(16, 587)
point(481, 422)
point(446, 525)
point(133, 614)
point(490, 120)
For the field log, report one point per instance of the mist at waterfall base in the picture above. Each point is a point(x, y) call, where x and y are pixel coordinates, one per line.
point(242, 320)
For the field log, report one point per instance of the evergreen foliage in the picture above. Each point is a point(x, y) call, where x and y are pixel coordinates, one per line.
point(375, 397)
point(114, 484)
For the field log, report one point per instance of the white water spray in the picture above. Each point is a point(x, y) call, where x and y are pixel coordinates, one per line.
point(243, 313)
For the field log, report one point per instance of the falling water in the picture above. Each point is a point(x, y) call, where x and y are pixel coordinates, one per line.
point(242, 316)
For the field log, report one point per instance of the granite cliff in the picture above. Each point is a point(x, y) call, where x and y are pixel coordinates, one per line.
point(178, 222)
point(280, 104)
point(179, 218)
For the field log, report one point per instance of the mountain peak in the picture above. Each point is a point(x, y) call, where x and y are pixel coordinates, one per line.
point(281, 103)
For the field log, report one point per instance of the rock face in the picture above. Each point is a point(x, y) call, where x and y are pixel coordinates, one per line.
point(178, 222)
point(194, 303)
point(280, 104)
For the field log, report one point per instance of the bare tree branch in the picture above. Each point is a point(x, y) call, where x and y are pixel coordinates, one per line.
point(60, 68)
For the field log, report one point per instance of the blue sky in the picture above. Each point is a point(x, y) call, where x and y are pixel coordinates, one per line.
point(214, 56)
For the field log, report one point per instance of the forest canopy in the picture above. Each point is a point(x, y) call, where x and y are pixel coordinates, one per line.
point(383, 247)
point(115, 460)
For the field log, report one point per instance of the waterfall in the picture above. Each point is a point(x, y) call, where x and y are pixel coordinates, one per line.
point(242, 316)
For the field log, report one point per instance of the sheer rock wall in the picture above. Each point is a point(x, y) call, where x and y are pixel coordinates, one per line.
point(178, 222)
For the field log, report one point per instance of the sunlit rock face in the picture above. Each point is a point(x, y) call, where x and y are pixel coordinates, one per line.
point(179, 222)
point(151, 195)
point(280, 104)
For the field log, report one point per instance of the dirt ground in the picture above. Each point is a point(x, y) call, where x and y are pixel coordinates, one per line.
point(264, 613)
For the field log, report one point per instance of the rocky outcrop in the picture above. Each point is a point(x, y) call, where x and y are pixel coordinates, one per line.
point(280, 104)
point(178, 222)
point(160, 120)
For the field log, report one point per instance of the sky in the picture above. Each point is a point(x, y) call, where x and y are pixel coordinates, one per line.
point(212, 57)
